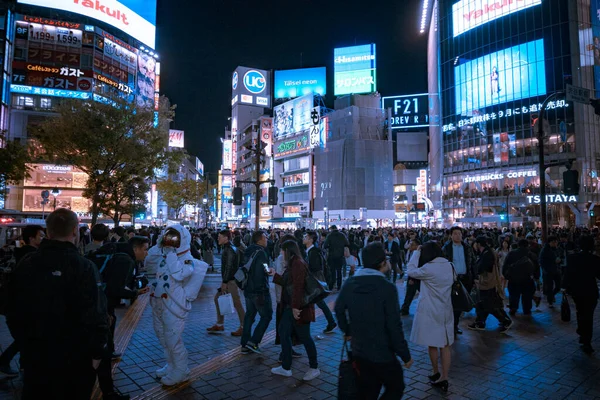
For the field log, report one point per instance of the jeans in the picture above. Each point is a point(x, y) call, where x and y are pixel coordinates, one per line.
point(585, 318)
point(411, 291)
point(232, 289)
point(335, 265)
point(286, 326)
point(372, 376)
point(521, 291)
point(9, 353)
point(491, 303)
point(468, 284)
point(326, 312)
point(551, 285)
point(261, 304)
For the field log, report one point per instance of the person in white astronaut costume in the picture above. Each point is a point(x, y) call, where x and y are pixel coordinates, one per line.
point(178, 280)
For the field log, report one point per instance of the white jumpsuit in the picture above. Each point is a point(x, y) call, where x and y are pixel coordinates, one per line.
point(178, 280)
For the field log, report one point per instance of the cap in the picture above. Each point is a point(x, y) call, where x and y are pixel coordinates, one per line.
point(373, 255)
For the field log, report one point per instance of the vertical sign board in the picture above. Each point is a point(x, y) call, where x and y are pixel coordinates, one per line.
point(251, 86)
point(315, 127)
point(227, 154)
point(355, 69)
point(422, 186)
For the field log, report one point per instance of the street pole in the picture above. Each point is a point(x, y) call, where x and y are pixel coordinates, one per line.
point(542, 168)
point(508, 210)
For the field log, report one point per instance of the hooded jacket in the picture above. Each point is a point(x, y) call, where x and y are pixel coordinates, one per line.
point(368, 310)
point(258, 280)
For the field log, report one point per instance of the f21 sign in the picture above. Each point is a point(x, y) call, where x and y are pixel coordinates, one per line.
point(410, 111)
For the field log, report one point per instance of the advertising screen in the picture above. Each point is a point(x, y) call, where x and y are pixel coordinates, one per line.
point(293, 116)
point(291, 146)
point(469, 14)
point(409, 111)
point(227, 154)
point(595, 18)
point(136, 18)
point(355, 69)
point(506, 75)
point(251, 86)
point(175, 138)
point(146, 78)
point(298, 82)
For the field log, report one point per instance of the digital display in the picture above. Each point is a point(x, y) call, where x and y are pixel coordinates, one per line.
point(355, 69)
point(409, 111)
point(506, 75)
point(595, 18)
point(251, 86)
point(175, 138)
point(136, 18)
point(293, 116)
point(72, 94)
point(298, 82)
point(469, 14)
point(227, 154)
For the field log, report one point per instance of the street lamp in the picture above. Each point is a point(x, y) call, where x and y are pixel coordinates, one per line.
point(55, 193)
point(205, 204)
point(325, 218)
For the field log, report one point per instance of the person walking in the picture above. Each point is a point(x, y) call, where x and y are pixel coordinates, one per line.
point(229, 265)
point(368, 313)
point(393, 251)
point(489, 284)
point(57, 313)
point(550, 261)
point(463, 259)
point(522, 271)
point(413, 285)
point(433, 325)
point(581, 282)
point(296, 317)
point(257, 295)
point(334, 244)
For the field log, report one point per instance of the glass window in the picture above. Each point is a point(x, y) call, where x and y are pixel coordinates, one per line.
point(45, 103)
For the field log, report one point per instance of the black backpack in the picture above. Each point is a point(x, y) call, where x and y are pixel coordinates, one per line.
point(521, 270)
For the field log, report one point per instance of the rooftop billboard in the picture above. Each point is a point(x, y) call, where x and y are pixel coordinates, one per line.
point(355, 69)
point(469, 14)
point(298, 82)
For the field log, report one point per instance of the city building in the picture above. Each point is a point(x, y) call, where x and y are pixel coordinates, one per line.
point(494, 65)
point(56, 50)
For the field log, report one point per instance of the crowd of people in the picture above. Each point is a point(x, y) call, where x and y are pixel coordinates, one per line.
point(68, 281)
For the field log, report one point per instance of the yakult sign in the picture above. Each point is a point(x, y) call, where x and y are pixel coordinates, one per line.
point(469, 14)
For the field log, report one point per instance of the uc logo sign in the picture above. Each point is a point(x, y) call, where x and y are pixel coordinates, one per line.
point(255, 82)
point(234, 80)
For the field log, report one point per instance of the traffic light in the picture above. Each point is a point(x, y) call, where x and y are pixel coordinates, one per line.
point(237, 196)
point(571, 182)
point(596, 104)
point(592, 213)
point(273, 195)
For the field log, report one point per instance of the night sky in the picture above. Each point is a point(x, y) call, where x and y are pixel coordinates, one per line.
point(201, 42)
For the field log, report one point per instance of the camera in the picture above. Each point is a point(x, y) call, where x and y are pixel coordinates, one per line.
point(141, 282)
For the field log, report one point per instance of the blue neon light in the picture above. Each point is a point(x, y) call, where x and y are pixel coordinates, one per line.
point(71, 94)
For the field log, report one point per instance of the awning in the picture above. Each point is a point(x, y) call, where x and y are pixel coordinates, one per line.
point(282, 220)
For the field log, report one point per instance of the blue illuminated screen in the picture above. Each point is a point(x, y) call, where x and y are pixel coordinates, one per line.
point(506, 75)
point(298, 82)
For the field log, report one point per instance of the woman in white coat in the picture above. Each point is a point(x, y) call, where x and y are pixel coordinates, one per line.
point(433, 325)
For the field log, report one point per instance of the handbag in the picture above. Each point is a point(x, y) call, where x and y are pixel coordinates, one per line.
point(315, 290)
point(565, 309)
point(347, 376)
point(461, 298)
point(226, 304)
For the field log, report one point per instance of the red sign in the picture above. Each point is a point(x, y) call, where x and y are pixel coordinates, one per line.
point(53, 22)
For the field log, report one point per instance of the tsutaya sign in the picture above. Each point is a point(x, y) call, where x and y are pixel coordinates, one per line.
point(469, 14)
point(553, 198)
point(495, 177)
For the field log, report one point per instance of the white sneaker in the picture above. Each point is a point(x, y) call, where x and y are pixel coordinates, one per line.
point(280, 371)
point(171, 381)
point(164, 371)
point(311, 374)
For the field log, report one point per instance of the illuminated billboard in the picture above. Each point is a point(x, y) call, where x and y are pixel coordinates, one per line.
point(595, 46)
point(227, 161)
point(469, 14)
point(298, 82)
point(355, 69)
point(409, 111)
point(146, 79)
point(293, 116)
point(175, 138)
point(251, 86)
point(136, 18)
point(506, 75)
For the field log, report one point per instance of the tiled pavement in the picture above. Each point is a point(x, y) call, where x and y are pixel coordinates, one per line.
point(539, 359)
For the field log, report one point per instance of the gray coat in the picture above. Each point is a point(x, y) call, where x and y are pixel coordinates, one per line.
point(433, 324)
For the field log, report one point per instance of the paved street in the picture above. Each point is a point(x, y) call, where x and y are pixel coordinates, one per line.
point(539, 359)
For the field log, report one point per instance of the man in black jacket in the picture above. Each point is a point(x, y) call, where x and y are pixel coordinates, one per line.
point(550, 261)
point(463, 259)
point(521, 269)
point(368, 313)
point(334, 244)
point(57, 312)
point(257, 294)
point(581, 281)
point(229, 265)
point(315, 260)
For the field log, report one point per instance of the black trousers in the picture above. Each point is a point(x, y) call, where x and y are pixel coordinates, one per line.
point(372, 376)
point(551, 285)
point(9, 353)
point(59, 380)
point(335, 265)
point(411, 291)
point(111, 342)
point(585, 318)
point(468, 283)
point(521, 291)
point(491, 303)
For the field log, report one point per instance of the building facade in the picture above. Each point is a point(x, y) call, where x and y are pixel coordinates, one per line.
point(494, 64)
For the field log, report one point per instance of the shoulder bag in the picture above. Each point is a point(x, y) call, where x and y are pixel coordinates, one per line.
point(347, 376)
point(461, 299)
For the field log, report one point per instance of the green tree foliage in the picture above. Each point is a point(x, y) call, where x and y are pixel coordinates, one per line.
point(177, 194)
point(112, 142)
point(13, 159)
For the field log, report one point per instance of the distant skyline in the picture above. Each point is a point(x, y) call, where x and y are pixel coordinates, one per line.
point(201, 43)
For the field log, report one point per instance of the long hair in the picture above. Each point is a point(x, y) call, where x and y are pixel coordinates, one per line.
point(291, 249)
point(429, 252)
